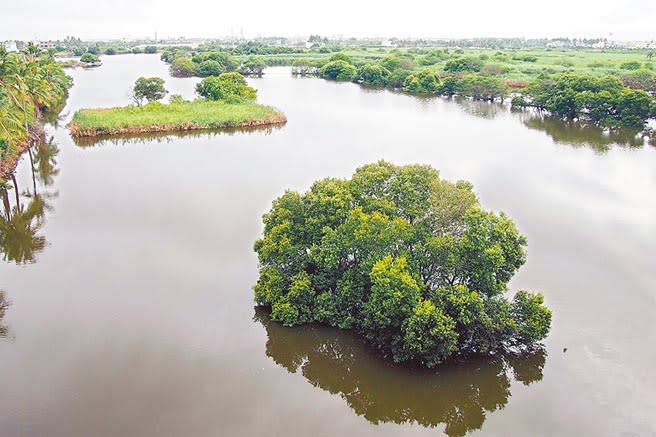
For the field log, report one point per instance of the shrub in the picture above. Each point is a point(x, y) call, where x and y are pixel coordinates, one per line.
point(463, 64)
point(209, 68)
point(89, 58)
point(633, 65)
point(339, 70)
point(373, 75)
point(182, 67)
point(230, 87)
point(423, 82)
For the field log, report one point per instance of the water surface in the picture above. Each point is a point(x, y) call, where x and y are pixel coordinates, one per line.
point(129, 268)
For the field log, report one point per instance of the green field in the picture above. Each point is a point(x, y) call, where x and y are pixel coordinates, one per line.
point(597, 62)
point(158, 117)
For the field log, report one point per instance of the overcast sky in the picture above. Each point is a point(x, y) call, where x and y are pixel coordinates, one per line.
point(97, 19)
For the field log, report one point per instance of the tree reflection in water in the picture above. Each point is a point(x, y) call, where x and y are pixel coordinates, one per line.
point(23, 215)
point(458, 395)
point(4, 304)
point(577, 134)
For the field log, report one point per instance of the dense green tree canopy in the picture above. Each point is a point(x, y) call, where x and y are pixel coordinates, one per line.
point(339, 70)
point(423, 82)
point(407, 259)
point(373, 75)
point(89, 58)
point(30, 83)
point(230, 87)
point(148, 88)
point(603, 100)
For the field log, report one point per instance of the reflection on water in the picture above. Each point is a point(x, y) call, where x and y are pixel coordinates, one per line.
point(23, 214)
point(168, 137)
point(579, 134)
point(458, 395)
point(4, 304)
point(479, 108)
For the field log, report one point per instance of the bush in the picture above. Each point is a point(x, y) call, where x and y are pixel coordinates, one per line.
point(110, 51)
point(229, 87)
point(604, 100)
point(182, 67)
point(209, 68)
point(373, 75)
point(463, 64)
point(341, 56)
point(423, 82)
point(89, 58)
point(405, 258)
point(482, 88)
point(150, 50)
point(339, 70)
point(633, 65)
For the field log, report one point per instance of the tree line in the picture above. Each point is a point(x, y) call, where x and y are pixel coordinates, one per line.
point(31, 83)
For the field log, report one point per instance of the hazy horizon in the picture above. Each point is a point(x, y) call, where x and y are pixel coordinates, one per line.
point(120, 19)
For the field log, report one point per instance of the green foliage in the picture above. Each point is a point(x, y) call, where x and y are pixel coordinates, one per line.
point(150, 50)
point(110, 51)
point(178, 115)
point(373, 75)
point(339, 70)
point(148, 88)
point(602, 100)
point(405, 258)
point(182, 67)
point(423, 82)
point(482, 88)
point(340, 56)
point(253, 66)
point(229, 87)
point(31, 83)
point(89, 58)
point(463, 64)
point(632, 65)
point(226, 62)
point(209, 67)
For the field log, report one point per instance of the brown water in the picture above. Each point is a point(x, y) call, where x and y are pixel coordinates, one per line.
point(130, 274)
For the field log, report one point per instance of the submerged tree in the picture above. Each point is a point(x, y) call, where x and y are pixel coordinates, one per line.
point(407, 259)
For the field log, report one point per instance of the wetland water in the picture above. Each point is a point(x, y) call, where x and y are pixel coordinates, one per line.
point(130, 274)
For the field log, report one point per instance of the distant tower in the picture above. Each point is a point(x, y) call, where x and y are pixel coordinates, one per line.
point(155, 37)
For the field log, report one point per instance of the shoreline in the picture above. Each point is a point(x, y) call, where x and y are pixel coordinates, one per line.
point(9, 163)
point(79, 132)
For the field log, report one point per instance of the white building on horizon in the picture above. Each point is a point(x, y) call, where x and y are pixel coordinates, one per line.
point(10, 46)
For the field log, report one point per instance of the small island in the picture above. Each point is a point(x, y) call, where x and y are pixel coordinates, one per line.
point(226, 101)
point(403, 257)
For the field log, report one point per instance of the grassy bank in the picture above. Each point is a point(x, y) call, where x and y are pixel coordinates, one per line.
point(184, 116)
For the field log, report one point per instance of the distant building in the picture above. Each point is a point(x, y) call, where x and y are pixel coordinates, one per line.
point(45, 45)
point(387, 43)
point(10, 46)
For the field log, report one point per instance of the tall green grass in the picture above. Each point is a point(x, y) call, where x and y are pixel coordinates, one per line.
point(157, 117)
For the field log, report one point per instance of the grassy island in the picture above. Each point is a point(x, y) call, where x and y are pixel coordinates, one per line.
point(226, 102)
point(183, 116)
